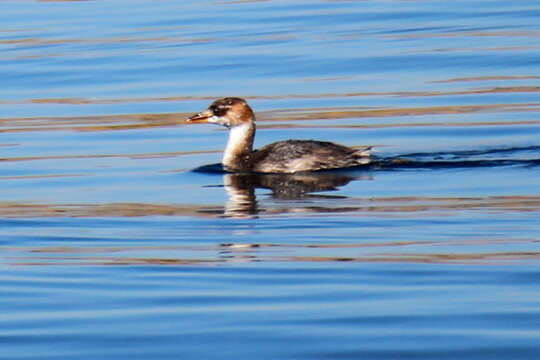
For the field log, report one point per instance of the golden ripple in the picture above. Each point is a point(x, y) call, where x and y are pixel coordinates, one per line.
point(394, 206)
point(214, 257)
point(98, 41)
point(149, 120)
point(487, 90)
point(466, 34)
point(487, 78)
point(322, 114)
point(102, 156)
point(463, 258)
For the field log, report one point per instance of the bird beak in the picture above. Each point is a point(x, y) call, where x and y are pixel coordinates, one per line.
point(201, 117)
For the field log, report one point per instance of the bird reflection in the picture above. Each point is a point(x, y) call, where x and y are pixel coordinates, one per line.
point(240, 189)
point(242, 200)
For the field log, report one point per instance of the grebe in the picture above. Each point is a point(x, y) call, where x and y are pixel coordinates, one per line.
point(288, 156)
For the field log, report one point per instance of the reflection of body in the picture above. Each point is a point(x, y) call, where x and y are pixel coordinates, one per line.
point(290, 156)
point(240, 188)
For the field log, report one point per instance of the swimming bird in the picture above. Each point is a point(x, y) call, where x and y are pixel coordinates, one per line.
point(289, 156)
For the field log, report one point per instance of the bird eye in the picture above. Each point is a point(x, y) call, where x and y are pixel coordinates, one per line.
point(218, 111)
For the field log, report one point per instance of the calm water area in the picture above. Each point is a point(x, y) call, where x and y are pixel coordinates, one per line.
point(116, 244)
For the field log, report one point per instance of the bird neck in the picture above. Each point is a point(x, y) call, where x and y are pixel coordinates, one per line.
point(239, 146)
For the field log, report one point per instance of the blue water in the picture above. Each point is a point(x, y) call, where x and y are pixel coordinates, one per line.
point(115, 243)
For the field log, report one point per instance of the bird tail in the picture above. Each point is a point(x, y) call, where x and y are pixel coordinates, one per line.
point(363, 154)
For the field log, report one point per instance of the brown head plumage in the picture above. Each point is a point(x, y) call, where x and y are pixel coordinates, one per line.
point(229, 112)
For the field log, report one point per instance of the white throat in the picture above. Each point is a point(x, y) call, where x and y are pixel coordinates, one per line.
point(240, 142)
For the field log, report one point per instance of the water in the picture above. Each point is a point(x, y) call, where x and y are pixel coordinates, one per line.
point(112, 246)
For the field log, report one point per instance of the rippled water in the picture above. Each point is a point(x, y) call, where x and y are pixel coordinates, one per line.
point(117, 241)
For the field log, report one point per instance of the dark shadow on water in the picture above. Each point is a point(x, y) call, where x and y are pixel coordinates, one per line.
point(480, 152)
point(398, 163)
point(526, 156)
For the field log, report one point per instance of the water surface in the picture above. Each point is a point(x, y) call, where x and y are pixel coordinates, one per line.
point(112, 246)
